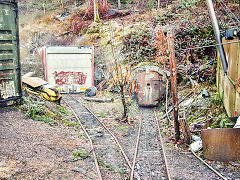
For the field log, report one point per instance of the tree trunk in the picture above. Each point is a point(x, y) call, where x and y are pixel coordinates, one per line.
point(62, 4)
point(158, 4)
point(44, 9)
point(119, 4)
point(173, 69)
point(124, 117)
point(96, 14)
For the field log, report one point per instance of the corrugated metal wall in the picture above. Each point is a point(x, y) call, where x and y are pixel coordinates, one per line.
point(10, 82)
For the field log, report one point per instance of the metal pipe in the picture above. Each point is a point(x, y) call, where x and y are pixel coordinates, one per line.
point(217, 34)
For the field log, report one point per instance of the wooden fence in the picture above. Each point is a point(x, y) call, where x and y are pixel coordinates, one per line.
point(227, 83)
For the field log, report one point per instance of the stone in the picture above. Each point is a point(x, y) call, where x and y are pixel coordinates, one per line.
point(92, 91)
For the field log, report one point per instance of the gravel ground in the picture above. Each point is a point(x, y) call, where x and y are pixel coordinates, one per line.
point(35, 150)
point(112, 165)
point(185, 166)
point(150, 162)
point(182, 164)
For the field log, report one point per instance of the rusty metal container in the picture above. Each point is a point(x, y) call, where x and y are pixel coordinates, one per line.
point(150, 87)
point(70, 69)
point(221, 144)
point(10, 78)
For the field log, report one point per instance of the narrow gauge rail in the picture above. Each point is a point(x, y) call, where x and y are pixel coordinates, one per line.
point(149, 159)
point(100, 138)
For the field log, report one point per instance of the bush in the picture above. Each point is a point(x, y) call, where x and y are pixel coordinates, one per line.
point(188, 3)
point(139, 47)
point(47, 5)
point(103, 8)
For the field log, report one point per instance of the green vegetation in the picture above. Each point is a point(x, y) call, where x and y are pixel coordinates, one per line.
point(38, 111)
point(82, 154)
point(122, 172)
point(80, 134)
point(105, 165)
point(102, 115)
point(123, 130)
point(35, 110)
point(62, 109)
point(47, 5)
point(217, 99)
point(48, 172)
point(139, 47)
point(71, 123)
point(185, 4)
point(222, 121)
point(133, 109)
point(23, 162)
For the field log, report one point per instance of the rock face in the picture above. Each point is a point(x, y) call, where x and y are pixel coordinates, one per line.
point(92, 91)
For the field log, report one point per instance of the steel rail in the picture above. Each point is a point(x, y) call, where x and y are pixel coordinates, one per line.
point(163, 149)
point(136, 149)
point(114, 137)
point(90, 140)
point(216, 172)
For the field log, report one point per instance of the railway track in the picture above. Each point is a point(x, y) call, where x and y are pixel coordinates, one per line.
point(149, 160)
point(102, 141)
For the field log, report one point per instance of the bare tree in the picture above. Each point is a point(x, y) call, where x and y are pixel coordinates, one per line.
point(124, 82)
point(158, 4)
point(119, 4)
point(96, 14)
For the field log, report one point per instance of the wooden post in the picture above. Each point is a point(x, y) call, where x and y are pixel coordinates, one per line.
point(185, 128)
point(44, 9)
point(173, 68)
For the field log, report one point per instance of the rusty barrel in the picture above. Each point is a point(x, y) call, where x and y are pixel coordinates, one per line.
point(221, 144)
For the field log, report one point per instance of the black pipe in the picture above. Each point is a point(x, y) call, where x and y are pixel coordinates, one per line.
point(10, 99)
point(217, 35)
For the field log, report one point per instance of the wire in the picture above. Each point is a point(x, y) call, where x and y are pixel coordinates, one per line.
point(229, 11)
point(8, 3)
point(189, 94)
point(200, 47)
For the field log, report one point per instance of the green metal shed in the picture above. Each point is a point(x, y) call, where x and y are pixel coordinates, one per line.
point(10, 78)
